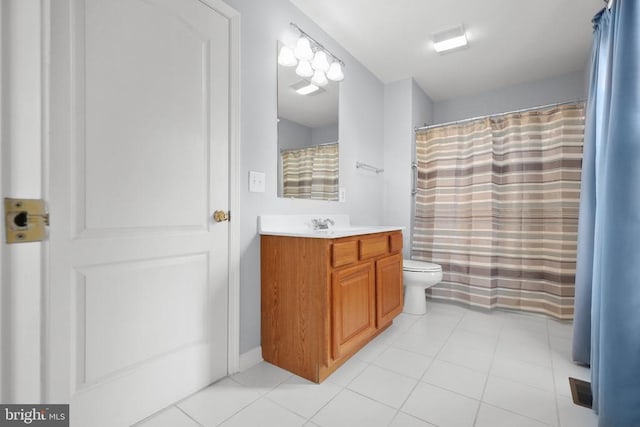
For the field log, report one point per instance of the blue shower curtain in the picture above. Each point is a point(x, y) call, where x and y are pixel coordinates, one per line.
point(607, 302)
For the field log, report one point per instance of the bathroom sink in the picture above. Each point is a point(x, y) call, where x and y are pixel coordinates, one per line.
point(300, 226)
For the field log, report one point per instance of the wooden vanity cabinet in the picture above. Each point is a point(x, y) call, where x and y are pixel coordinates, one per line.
point(324, 299)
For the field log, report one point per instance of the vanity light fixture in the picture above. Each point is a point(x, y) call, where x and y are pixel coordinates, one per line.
point(320, 61)
point(319, 78)
point(304, 69)
point(286, 57)
point(335, 72)
point(303, 49)
point(451, 39)
point(311, 59)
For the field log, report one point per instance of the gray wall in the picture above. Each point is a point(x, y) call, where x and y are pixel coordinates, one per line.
point(567, 87)
point(405, 106)
point(324, 134)
point(361, 127)
point(293, 135)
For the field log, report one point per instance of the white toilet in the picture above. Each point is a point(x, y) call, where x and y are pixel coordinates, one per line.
point(418, 276)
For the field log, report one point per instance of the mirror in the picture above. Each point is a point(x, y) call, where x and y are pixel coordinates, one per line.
point(308, 149)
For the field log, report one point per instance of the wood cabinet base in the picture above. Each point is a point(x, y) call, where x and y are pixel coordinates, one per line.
point(322, 300)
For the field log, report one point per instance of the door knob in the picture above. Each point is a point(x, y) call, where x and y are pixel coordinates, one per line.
point(220, 216)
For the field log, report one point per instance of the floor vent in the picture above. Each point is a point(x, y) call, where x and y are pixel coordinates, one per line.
point(581, 392)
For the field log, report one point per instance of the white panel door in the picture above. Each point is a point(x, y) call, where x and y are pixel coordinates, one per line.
point(139, 161)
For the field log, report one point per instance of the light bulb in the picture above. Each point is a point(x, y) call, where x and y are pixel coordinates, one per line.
point(303, 49)
point(320, 61)
point(304, 69)
point(319, 79)
point(286, 57)
point(335, 72)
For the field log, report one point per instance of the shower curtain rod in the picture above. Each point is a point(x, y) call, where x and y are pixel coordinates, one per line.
point(282, 150)
point(455, 122)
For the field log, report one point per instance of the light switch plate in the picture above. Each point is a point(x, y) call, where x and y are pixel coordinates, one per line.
point(256, 182)
point(342, 194)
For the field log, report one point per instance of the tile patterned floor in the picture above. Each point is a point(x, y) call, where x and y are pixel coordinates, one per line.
point(452, 367)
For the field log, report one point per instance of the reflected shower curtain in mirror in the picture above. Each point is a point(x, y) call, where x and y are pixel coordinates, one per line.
point(607, 321)
point(497, 207)
point(311, 173)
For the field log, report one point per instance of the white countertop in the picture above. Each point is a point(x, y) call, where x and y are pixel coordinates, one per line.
point(300, 226)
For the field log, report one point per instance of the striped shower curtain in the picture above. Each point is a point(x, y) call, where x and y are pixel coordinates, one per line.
point(311, 173)
point(497, 207)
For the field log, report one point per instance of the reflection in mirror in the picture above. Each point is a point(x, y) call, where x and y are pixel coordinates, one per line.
point(308, 149)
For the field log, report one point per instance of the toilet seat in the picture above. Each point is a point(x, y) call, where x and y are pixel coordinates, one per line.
point(419, 266)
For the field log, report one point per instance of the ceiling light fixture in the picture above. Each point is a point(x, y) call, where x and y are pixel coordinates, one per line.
point(303, 87)
point(306, 90)
point(311, 59)
point(451, 39)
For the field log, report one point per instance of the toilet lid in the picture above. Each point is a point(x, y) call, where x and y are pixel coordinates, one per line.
point(412, 265)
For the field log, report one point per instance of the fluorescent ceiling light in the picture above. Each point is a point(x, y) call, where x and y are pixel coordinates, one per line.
point(454, 38)
point(306, 90)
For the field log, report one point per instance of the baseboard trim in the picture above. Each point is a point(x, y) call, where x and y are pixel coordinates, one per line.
point(250, 358)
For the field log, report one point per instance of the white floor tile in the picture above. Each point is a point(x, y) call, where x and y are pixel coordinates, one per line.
point(303, 397)
point(405, 420)
point(572, 415)
point(521, 399)
point(517, 335)
point(560, 348)
point(416, 343)
point(404, 362)
point(462, 355)
point(560, 328)
point(490, 416)
point(523, 372)
point(456, 378)
point(482, 323)
point(383, 386)
point(437, 368)
point(371, 351)
point(445, 307)
point(441, 407)
point(536, 354)
point(404, 321)
point(475, 340)
point(218, 402)
point(262, 377)
point(562, 370)
point(265, 413)
point(347, 372)
point(171, 417)
point(433, 327)
point(349, 409)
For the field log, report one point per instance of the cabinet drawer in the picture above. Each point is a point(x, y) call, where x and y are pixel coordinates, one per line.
point(395, 242)
point(344, 253)
point(374, 246)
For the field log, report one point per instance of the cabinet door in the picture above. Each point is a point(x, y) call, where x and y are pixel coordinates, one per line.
point(352, 307)
point(388, 289)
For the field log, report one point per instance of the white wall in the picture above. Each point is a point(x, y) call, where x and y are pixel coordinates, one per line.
point(567, 87)
point(361, 139)
point(405, 107)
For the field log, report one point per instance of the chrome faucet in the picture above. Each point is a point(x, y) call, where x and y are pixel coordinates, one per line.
point(322, 224)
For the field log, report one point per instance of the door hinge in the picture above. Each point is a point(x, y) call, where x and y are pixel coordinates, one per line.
point(25, 220)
